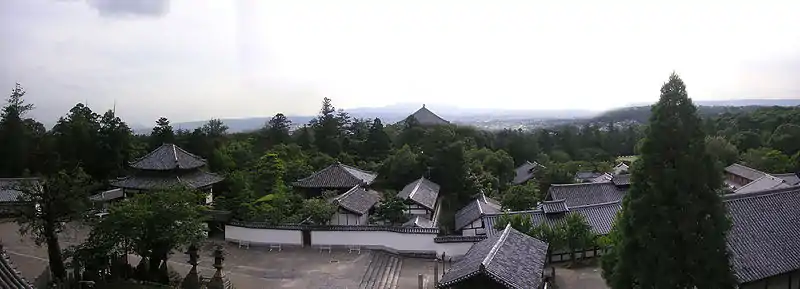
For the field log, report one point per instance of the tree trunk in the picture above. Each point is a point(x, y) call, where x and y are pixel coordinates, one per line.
point(54, 251)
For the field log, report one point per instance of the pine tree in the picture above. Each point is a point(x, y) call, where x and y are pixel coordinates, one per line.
point(16, 138)
point(162, 133)
point(672, 226)
point(378, 142)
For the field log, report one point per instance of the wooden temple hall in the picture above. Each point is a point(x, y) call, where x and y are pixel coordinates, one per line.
point(337, 177)
point(166, 167)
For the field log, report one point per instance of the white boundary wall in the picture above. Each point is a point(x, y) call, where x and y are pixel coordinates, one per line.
point(398, 242)
point(263, 236)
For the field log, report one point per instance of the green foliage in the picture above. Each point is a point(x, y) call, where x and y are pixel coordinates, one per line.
point(747, 140)
point(767, 160)
point(162, 133)
point(521, 197)
point(17, 135)
point(577, 234)
point(390, 210)
point(675, 175)
point(721, 150)
point(519, 222)
point(786, 138)
point(400, 168)
point(318, 210)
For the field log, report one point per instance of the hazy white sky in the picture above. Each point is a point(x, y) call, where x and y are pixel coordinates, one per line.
point(197, 59)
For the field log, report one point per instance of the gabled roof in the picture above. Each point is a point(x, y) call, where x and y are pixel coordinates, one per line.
point(357, 200)
point(621, 180)
point(587, 176)
point(525, 172)
point(599, 216)
point(603, 178)
point(427, 117)
point(9, 188)
point(168, 157)
point(511, 258)
point(193, 180)
point(9, 276)
point(339, 176)
point(109, 195)
point(767, 182)
point(422, 191)
point(791, 179)
point(586, 193)
point(479, 207)
point(419, 222)
point(763, 239)
point(744, 172)
point(554, 207)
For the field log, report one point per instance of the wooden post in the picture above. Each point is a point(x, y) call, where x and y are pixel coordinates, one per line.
point(419, 281)
point(436, 273)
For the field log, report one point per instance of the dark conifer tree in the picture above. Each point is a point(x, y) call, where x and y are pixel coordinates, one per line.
point(162, 133)
point(671, 232)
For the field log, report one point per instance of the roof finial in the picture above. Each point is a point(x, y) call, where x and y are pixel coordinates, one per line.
point(423, 105)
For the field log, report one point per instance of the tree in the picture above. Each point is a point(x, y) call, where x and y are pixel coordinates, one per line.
point(721, 150)
point(15, 135)
point(277, 131)
point(519, 222)
point(56, 200)
point(318, 210)
point(390, 210)
point(577, 234)
point(786, 138)
point(269, 173)
point(401, 167)
point(673, 223)
point(747, 140)
point(378, 142)
point(115, 145)
point(327, 128)
point(521, 197)
point(153, 224)
point(767, 160)
point(162, 133)
point(77, 140)
point(554, 235)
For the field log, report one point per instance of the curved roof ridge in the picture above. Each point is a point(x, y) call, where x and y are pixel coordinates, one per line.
point(580, 184)
point(764, 193)
point(496, 247)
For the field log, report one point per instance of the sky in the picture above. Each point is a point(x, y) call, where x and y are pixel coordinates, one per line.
point(201, 59)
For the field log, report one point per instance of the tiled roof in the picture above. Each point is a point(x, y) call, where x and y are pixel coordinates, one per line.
point(480, 206)
point(107, 195)
point(419, 222)
point(511, 258)
point(9, 276)
point(586, 176)
point(9, 188)
point(552, 207)
point(337, 175)
point(458, 239)
point(586, 193)
point(744, 171)
point(422, 191)
point(143, 181)
point(168, 157)
point(767, 182)
point(525, 172)
point(763, 239)
point(599, 216)
point(622, 180)
point(791, 179)
point(427, 117)
point(603, 178)
point(358, 200)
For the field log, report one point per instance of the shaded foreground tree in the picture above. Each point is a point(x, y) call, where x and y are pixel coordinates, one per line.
point(672, 226)
point(54, 201)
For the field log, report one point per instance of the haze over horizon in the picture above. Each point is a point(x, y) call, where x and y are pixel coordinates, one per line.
point(200, 59)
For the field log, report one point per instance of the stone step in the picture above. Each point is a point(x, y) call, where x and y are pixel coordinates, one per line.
point(396, 275)
point(381, 281)
point(378, 261)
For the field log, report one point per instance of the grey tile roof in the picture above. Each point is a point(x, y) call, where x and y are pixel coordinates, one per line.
point(744, 171)
point(602, 178)
point(147, 181)
point(767, 182)
point(9, 276)
point(422, 191)
point(587, 176)
point(599, 216)
point(622, 180)
point(427, 117)
point(337, 175)
point(9, 188)
point(763, 239)
point(511, 258)
point(109, 195)
point(553, 207)
point(419, 222)
point(357, 200)
point(168, 157)
point(586, 193)
point(525, 172)
point(478, 207)
point(792, 179)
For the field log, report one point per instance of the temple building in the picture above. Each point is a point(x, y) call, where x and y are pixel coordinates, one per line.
point(166, 167)
point(336, 177)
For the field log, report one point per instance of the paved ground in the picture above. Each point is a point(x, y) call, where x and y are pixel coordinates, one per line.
point(247, 268)
point(588, 277)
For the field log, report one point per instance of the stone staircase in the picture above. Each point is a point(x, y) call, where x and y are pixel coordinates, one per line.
point(383, 271)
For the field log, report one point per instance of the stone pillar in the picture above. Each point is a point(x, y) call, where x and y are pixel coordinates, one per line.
point(219, 281)
point(192, 280)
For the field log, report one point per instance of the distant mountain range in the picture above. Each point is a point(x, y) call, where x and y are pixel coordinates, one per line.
point(394, 113)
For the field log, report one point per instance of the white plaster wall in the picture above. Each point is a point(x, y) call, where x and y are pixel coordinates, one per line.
point(401, 242)
point(263, 236)
point(345, 219)
point(474, 229)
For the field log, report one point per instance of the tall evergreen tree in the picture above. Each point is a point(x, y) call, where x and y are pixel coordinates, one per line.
point(15, 135)
point(378, 142)
point(115, 145)
point(277, 131)
point(672, 226)
point(327, 129)
point(77, 141)
point(162, 133)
